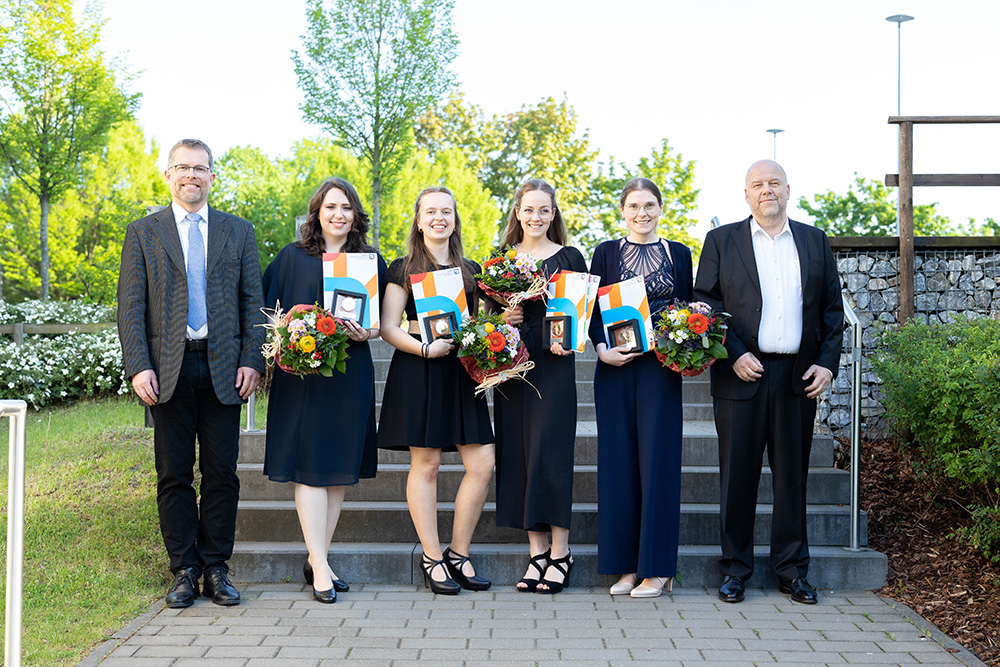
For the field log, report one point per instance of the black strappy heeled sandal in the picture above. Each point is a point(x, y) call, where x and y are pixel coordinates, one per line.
point(564, 565)
point(455, 562)
point(447, 587)
point(540, 563)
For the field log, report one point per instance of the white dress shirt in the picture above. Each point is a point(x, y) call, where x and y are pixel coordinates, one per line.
point(183, 231)
point(781, 289)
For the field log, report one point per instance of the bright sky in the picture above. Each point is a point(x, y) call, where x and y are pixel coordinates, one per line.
point(711, 76)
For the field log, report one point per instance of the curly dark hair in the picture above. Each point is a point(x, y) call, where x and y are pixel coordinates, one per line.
point(311, 232)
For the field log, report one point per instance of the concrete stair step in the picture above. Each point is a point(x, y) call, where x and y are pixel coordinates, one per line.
point(389, 521)
point(700, 447)
point(699, 484)
point(831, 567)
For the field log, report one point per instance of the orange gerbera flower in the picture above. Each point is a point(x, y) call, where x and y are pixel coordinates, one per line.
point(697, 323)
point(491, 262)
point(326, 325)
point(495, 341)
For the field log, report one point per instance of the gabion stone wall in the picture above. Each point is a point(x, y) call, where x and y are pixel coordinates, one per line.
point(952, 275)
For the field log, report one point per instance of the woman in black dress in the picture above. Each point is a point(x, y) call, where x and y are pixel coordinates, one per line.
point(430, 404)
point(639, 412)
point(535, 435)
point(321, 431)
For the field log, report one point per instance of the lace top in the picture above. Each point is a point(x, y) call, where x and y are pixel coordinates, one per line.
point(651, 261)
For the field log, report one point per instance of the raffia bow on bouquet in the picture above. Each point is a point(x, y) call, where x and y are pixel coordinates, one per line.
point(510, 277)
point(492, 352)
point(690, 337)
point(306, 340)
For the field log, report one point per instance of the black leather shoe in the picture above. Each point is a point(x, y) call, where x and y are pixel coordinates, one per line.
point(732, 589)
point(218, 587)
point(338, 585)
point(326, 597)
point(454, 562)
point(185, 589)
point(800, 590)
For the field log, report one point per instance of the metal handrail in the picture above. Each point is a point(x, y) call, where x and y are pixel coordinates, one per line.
point(855, 324)
point(17, 411)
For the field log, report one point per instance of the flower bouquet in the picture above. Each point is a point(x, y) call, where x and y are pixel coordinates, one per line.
point(306, 340)
point(510, 277)
point(491, 351)
point(690, 337)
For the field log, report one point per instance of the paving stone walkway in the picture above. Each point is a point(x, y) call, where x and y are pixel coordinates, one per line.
point(392, 626)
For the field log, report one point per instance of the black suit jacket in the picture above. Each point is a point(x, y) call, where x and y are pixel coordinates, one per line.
point(728, 281)
point(153, 301)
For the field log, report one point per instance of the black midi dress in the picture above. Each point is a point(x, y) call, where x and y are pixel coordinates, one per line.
point(320, 431)
point(430, 402)
point(535, 435)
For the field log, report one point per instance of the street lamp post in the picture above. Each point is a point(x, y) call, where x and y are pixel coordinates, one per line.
point(774, 132)
point(899, 20)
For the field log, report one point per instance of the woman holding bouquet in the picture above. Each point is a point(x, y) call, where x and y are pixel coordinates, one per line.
point(429, 404)
point(321, 430)
point(536, 434)
point(639, 410)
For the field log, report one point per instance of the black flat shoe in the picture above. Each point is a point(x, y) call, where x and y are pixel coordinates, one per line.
point(565, 566)
point(540, 563)
point(455, 562)
point(447, 587)
point(218, 587)
point(732, 589)
point(338, 585)
point(800, 590)
point(185, 589)
point(326, 597)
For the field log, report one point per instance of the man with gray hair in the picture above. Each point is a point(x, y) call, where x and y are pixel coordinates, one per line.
point(189, 300)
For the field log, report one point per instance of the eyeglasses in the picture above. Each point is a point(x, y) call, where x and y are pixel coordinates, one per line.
point(185, 169)
point(544, 213)
point(648, 207)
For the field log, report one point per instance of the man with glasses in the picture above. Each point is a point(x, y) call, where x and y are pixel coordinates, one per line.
point(189, 300)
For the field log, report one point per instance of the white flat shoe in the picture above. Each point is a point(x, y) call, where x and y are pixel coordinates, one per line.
point(644, 591)
point(622, 588)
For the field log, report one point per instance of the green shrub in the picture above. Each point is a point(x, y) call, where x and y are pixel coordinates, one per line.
point(942, 383)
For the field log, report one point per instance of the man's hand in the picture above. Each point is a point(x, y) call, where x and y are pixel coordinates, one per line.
point(748, 367)
point(146, 386)
point(821, 378)
point(247, 380)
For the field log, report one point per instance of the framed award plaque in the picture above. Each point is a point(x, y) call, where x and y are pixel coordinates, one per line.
point(348, 305)
point(558, 329)
point(440, 326)
point(626, 333)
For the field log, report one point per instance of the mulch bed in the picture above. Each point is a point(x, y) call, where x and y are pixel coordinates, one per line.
point(949, 583)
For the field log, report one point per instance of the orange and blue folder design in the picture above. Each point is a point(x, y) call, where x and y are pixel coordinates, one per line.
point(573, 294)
point(437, 293)
point(357, 273)
point(623, 302)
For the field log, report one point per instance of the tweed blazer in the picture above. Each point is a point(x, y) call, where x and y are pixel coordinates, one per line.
point(728, 281)
point(153, 301)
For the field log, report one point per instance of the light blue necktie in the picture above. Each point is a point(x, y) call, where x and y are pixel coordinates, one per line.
point(195, 273)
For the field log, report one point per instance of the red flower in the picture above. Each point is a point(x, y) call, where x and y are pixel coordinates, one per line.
point(697, 323)
point(495, 341)
point(326, 325)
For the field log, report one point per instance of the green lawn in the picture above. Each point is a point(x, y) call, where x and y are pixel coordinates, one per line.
point(94, 559)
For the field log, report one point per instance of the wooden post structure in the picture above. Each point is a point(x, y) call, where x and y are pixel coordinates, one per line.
point(906, 179)
point(906, 270)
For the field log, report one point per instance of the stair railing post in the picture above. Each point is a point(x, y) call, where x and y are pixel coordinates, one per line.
point(855, 325)
point(17, 411)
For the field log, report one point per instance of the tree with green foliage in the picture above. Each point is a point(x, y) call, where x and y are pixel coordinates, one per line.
point(368, 70)
point(59, 100)
point(672, 175)
point(869, 209)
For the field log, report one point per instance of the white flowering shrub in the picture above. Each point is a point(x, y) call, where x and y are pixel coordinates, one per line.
point(52, 369)
point(55, 312)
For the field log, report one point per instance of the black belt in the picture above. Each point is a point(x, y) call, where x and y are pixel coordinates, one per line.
point(774, 356)
point(195, 345)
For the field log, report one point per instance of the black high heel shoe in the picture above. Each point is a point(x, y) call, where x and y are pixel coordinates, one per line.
point(540, 563)
point(447, 587)
point(565, 566)
point(455, 562)
point(338, 585)
point(326, 597)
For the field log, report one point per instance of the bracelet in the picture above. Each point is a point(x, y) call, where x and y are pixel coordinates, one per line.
point(368, 334)
point(423, 350)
